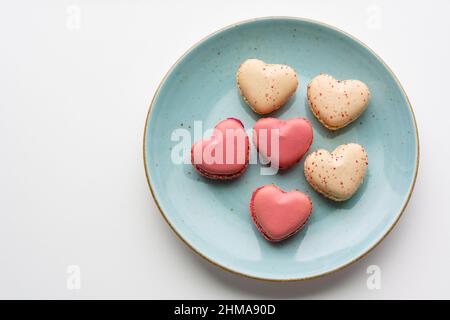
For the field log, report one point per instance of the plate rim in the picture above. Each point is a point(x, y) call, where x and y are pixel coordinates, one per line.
point(239, 273)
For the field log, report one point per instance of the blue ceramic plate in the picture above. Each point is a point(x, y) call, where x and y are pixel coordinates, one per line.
point(212, 217)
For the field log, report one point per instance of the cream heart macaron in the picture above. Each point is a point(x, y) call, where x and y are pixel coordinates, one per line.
point(279, 214)
point(337, 175)
point(336, 103)
point(266, 87)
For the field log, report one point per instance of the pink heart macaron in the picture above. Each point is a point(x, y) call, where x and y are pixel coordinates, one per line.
point(225, 155)
point(294, 139)
point(279, 214)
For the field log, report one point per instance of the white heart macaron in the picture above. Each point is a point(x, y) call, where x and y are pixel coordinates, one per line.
point(337, 175)
point(336, 103)
point(266, 87)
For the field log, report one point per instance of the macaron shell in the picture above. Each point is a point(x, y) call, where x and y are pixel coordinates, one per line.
point(294, 139)
point(226, 167)
point(337, 103)
point(339, 174)
point(278, 214)
point(266, 87)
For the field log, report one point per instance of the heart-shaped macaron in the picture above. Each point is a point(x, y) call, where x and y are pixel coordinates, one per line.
point(337, 175)
point(283, 142)
point(278, 214)
point(336, 103)
point(225, 155)
point(266, 87)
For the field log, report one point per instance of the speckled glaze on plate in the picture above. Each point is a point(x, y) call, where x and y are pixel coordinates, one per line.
point(212, 217)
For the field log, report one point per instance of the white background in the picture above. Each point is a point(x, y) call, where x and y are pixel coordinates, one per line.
point(76, 80)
